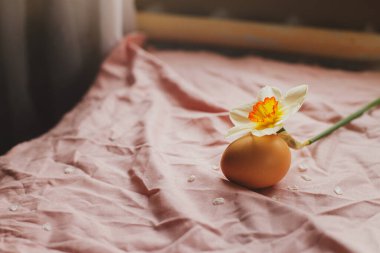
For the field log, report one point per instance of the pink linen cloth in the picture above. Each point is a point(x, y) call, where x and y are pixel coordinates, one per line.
point(112, 176)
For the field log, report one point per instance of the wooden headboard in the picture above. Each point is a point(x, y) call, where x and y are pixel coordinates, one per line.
point(226, 23)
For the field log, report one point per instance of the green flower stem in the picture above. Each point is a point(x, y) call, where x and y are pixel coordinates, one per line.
point(344, 121)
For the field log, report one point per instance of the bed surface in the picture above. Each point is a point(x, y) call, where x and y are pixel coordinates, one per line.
point(113, 175)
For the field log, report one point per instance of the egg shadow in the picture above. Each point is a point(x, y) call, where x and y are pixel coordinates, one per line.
point(268, 191)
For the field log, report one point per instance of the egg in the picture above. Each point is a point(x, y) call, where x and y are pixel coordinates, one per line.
point(256, 162)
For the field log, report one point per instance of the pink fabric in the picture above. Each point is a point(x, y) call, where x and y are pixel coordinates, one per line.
point(152, 120)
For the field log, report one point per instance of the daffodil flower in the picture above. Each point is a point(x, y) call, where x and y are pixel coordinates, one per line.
point(267, 114)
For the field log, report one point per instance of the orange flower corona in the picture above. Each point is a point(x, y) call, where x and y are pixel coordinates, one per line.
point(265, 113)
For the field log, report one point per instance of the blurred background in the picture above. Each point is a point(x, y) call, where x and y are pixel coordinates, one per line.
point(51, 50)
point(350, 14)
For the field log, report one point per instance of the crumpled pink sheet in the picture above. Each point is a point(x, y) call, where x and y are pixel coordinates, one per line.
point(112, 176)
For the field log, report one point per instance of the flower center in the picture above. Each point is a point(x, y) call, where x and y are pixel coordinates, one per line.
point(265, 113)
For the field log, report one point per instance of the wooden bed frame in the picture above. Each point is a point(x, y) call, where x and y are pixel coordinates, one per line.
point(340, 44)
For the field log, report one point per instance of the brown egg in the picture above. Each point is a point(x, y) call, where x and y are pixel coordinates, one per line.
point(256, 162)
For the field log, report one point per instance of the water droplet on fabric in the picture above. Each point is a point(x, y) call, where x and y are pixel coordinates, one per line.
point(13, 208)
point(218, 201)
point(191, 179)
point(338, 190)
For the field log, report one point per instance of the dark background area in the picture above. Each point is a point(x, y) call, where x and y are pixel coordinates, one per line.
point(40, 77)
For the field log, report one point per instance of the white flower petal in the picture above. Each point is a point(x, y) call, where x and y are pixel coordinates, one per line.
point(239, 115)
point(266, 131)
point(293, 100)
point(268, 92)
point(241, 129)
